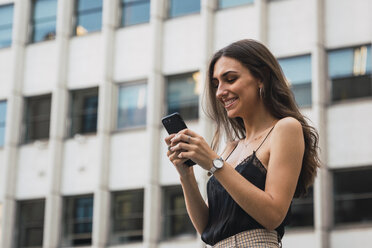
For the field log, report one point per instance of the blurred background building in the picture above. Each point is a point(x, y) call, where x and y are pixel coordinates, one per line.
point(83, 87)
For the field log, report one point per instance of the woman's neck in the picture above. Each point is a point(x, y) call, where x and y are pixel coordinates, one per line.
point(258, 122)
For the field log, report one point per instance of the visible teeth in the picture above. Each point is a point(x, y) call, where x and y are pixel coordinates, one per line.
point(229, 101)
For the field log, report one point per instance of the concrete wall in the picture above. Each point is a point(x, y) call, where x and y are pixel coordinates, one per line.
point(348, 22)
point(350, 134)
point(291, 27)
point(132, 53)
point(40, 68)
point(181, 46)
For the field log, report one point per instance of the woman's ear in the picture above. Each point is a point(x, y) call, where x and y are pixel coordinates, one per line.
point(260, 83)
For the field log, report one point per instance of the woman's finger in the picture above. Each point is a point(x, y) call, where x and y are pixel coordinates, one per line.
point(168, 139)
point(181, 147)
point(182, 138)
point(187, 155)
point(189, 132)
point(176, 160)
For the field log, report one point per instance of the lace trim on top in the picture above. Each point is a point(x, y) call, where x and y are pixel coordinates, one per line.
point(254, 161)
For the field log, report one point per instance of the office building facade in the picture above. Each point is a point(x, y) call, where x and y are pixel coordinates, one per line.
point(84, 85)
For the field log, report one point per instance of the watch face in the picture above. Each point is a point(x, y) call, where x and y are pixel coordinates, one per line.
point(218, 163)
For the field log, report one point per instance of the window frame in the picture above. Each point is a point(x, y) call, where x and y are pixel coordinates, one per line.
point(138, 215)
point(234, 6)
point(43, 118)
point(32, 23)
point(29, 225)
point(167, 80)
point(356, 196)
point(117, 95)
point(169, 8)
point(305, 200)
point(302, 84)
point(8, 26)
point(79, 114)
point(331, 79)
point(169, 192)
point(69, 211)
point(76, 14)
point(124, 5)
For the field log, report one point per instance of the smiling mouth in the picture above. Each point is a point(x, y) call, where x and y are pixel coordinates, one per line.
point(230, 102)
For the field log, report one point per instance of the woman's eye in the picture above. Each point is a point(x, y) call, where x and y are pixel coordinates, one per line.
point(230, 80)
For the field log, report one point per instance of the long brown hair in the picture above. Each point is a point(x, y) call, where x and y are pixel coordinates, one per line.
point(277, 98)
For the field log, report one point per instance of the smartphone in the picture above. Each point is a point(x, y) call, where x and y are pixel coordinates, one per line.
point(174, 123)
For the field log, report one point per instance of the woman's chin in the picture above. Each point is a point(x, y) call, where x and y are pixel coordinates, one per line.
point(231, 114)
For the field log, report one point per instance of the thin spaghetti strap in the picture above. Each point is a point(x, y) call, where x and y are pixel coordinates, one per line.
point(264, 139)
point(232, 151)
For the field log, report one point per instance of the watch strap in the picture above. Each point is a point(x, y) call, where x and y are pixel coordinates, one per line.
point(214, 168)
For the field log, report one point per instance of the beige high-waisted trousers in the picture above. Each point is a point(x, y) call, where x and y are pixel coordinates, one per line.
point(256, 238)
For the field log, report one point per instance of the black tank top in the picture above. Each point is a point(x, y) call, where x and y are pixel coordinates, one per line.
point(226, 217)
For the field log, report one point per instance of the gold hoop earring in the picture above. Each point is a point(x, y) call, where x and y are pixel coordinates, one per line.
point(261, 94)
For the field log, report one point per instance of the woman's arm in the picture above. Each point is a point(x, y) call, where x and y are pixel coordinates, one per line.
point(268, 207)
point(195, 204)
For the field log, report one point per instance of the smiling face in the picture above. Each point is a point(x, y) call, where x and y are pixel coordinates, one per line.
point(236, 88)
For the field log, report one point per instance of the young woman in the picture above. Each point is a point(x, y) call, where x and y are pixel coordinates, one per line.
point(270, 156)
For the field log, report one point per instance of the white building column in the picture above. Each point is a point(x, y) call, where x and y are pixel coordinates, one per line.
point(53, 207)
point(261, 12)
point(101, 210)
point(322, 186)
point(14, 119)
point(155, 91)
point(208, 9)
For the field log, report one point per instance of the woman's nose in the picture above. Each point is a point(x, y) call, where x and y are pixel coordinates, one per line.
point(221, 91)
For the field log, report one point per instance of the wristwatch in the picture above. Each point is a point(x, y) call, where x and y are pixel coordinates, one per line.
point(217, 164)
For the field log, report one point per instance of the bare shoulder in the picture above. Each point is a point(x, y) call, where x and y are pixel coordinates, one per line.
point(288, 134)
point(288, 125)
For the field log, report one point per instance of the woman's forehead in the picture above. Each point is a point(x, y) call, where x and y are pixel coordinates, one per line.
point(225, 64)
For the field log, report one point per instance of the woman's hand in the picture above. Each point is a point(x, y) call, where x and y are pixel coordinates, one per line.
point(189, 145)
point(179, 163)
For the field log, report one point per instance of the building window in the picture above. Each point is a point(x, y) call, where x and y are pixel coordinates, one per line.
point(183, 95)
point(83, 111)
point(176, 221)
point(6, 25)
point(78, 217)
point(37, 118)
point(302, 210)
point(297, 70)
point(352, 189)
point(127, 218)
point(182, 7)
point(135, 12)
point(43, 21)
point(30, 223)
point(132, 105)
point(222, 4)
point(350, 73)
point(88, 14)
point(2, 122)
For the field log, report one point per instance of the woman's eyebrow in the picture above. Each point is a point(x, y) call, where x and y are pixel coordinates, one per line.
point(225, 74)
